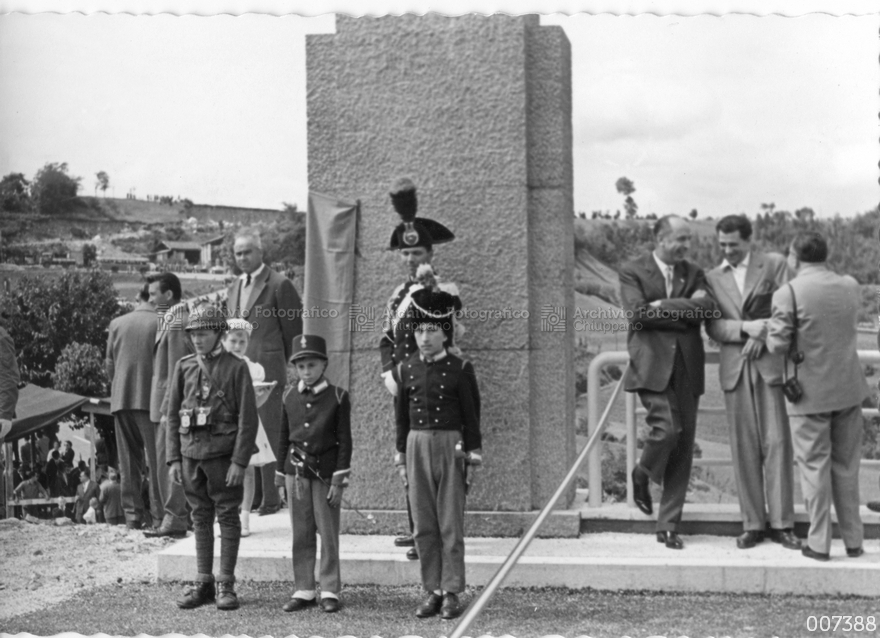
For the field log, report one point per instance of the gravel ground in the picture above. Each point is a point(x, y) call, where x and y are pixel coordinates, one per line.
point(43, 564)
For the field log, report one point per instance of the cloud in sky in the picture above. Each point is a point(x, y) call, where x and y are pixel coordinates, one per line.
point(721, 114)
point(718, 114)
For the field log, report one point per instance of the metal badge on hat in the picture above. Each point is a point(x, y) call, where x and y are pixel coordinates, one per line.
point(302, 342)
point(410, 234)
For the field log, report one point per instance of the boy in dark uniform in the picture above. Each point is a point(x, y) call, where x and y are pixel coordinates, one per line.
point(438, 436)
point(212, 426)
point(315, 448)
point(414, 239)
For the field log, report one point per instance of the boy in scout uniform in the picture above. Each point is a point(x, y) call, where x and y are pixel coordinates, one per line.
point(212, 426)
point(315, 448)
point(414, 240)
point(438, 436)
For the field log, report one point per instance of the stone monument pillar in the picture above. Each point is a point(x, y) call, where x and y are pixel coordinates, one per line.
point(477, 112)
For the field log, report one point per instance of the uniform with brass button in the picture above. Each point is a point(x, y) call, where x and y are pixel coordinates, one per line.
point(414, 239)
point(212, 426)
point(437, 410)
point(315, 445)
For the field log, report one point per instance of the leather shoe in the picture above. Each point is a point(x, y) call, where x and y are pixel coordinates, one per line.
point(227, 600)
point(749, 538)
point(809, 553)
point(450, 608)
point(854, 552)
point(641, 491)
point(412, 553)
point(671, 539)
point(786, 538)
point(404, 541)
point(266, 511)
point(298, 604)
point(330, 605)
point(874, 506)
point(430, 607)
point(196, 595)
point(163, 532)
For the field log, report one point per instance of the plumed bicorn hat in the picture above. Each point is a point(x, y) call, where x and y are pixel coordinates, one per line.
point(414, 232)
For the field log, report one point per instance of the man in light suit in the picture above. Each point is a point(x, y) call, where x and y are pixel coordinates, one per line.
point(666, 299)
point(826, 422)
point(170, 345)
point(129, 364)
point(271, 304)
point(760, 442)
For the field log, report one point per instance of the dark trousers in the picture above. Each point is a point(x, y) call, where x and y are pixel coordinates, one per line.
point(136, 440)
point(669, 449)
point(171, 501)
point(204, 483)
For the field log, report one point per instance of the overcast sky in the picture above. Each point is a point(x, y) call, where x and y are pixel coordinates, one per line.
point(717, 114)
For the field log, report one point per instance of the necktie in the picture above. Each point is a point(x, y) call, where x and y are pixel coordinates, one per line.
point(248, 281)
point(669, 281)
point(307, 390)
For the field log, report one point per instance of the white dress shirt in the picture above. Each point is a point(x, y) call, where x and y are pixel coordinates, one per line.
point(668, 271)
point(247, 286)
point(739, 272)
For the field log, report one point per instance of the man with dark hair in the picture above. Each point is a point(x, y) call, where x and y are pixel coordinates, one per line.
point(170, 345)
point(269, 300)
point(760, 442)
point(814, 324)
point(667, 298)
point(129, 364)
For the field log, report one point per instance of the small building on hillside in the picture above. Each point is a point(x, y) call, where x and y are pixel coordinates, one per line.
point(177, 251)
point(211, 250)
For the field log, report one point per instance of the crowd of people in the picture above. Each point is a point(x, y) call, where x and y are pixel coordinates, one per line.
point(793, 385)
point(204, 420)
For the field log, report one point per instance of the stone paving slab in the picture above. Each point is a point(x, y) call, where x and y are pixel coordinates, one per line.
point(605, 561)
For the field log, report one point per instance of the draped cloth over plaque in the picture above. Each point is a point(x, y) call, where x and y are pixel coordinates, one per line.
point(331, 233)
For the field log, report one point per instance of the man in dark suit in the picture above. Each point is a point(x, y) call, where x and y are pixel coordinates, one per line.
point(129, 366)
point(270, 302)
point(760, 442)
point(819, 309)
point(666, 299)
point(171, 344)
point(85, 492)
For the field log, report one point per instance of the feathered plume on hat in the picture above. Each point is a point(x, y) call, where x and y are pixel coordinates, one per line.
point(414, 231)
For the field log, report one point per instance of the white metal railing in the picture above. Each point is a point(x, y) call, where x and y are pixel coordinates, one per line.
point(594, 460)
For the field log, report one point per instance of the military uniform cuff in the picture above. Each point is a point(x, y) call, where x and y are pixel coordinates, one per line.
point(340, 478)
point(475, 457)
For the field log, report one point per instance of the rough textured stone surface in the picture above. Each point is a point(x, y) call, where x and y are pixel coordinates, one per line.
point(477, 111)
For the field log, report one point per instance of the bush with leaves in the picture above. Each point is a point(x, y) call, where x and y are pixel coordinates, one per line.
point(46, 315)
point(80, 370)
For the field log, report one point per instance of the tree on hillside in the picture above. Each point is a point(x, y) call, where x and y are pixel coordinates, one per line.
point(627, 188)
point(53, 190)
point(103, 182)
point(289, 208)
point(693, 214)
point(14, 193)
